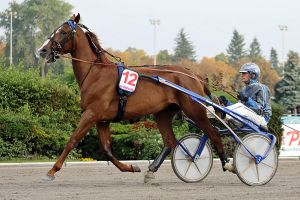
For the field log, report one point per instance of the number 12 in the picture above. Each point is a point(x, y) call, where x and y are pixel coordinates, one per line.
point(132, 78)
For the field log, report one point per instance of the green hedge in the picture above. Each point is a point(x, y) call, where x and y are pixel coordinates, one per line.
point(22, 135)
point(18, 88)
point(36, 116)
point(275, 124)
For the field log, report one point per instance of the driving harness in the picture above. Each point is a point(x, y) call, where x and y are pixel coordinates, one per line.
point(123, 94)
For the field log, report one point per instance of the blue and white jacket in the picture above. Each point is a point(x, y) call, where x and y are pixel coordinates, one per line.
point(258, 98)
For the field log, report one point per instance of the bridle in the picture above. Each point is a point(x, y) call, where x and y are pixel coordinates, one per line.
point(56, 46)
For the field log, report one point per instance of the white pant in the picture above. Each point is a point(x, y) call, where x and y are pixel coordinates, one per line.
point(242, 110)
point(247, 112)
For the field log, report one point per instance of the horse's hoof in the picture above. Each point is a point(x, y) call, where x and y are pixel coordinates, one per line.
point(135, 168)
point(149, 175)
point(48, 178)
point(229, 167)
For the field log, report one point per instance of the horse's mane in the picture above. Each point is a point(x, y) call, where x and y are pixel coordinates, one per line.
point(96, 48)
point(93, 41)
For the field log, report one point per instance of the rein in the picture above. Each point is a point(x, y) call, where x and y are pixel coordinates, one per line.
point(218, 87)
point(101, 63)
point(92, 63)
point(84, 61)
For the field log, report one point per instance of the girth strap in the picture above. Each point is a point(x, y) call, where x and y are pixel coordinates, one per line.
point(123, 95)
point(121, 108)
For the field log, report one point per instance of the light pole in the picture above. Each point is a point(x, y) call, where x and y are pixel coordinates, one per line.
point(155, 23)
point(282, 29)
point(12, 14)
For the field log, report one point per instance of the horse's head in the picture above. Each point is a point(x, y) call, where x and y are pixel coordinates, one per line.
point(60, 41)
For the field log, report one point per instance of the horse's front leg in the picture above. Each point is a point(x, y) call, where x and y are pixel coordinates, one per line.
point(105, 147)
point(86, 122)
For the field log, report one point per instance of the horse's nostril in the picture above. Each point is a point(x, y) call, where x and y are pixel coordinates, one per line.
point(42, 52)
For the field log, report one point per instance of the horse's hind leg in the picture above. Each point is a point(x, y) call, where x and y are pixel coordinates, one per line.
point(105, 148)
point(164, 123)
point(200, 118)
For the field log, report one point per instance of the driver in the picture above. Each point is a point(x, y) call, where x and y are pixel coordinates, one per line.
point(254, 100)
point(254, 95)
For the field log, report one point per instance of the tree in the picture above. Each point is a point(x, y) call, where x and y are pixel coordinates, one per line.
point(133, 56)
point(222, 57)
point(274, 58)
point(254, 51)
point(268, 75)
point(2, 46)
point(210, 67)
point(36, 20)
point(184, 48)
point(235, 49)
point(287, 91)
point(163, 57)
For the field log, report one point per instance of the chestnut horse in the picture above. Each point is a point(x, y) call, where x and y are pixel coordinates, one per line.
point(98, 81)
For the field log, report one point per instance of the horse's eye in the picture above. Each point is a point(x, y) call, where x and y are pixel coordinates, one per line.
point(64, 33)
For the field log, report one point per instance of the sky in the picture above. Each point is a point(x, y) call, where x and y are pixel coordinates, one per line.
point(120, 24)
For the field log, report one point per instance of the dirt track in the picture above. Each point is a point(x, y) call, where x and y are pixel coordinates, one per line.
point(107, 182)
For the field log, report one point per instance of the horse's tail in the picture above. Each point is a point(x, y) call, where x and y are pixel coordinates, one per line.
point(206, 89)
point(205, 85)
point(214, 99)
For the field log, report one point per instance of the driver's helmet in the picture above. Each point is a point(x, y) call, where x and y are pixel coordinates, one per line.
point(251, 68)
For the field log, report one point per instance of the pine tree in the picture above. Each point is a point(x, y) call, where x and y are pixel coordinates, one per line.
point(235, 49)
point(287, 91)
point(297, 91)
point(274, 58)
point(254, 51)
point(184, 48)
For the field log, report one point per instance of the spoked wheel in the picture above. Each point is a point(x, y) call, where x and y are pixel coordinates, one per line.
point(183, 165)
point(247, 170)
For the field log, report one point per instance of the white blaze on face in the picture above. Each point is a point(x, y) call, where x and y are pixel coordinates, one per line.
point(45, 43)
point(57, 31)
point(51, 36)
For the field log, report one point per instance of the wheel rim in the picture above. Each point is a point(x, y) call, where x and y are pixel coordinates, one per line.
point(247, 170)
point(184, 167)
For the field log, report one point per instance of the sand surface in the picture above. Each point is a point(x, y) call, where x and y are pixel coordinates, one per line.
point(92, 181)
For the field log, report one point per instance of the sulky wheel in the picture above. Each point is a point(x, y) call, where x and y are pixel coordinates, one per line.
point(183, 165)
point(246, 168)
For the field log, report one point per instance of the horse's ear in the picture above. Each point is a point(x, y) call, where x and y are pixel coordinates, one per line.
point(72, 17)
point(77, 18)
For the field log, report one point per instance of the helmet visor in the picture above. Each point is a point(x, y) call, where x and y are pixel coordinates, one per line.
point(243, 71)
